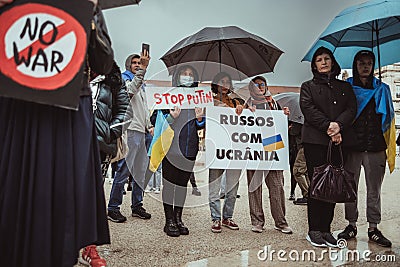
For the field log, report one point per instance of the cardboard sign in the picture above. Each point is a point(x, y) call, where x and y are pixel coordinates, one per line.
point(182, 97)
point(252, 141)
point(42, 50)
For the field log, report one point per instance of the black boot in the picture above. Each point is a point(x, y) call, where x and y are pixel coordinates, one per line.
point(170, 228)
point(183, 230)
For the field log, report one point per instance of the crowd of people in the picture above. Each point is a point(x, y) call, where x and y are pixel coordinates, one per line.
point(53, 174)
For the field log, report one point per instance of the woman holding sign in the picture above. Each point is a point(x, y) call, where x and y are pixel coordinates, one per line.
point(329, 107)
point(261, 98)
point(51, 187)
point(221, 87)
point(178, 163)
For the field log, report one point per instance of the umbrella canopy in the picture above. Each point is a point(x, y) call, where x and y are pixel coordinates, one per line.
point(106, 4)
point(229, 46)
point(373, 25)
point(292, 101)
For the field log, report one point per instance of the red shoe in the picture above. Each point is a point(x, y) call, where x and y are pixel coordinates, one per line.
point(90, 257)
point(216, 227)
point(230, 224)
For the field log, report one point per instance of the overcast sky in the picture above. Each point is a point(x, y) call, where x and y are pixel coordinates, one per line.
point(291, 25)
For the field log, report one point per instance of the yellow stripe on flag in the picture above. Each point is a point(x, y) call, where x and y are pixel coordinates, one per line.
point(390, 138)
point(274, 146)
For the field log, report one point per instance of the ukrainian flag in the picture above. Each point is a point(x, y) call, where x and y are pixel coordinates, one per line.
point(162, 140)
point(273, 143)
point(384, 105)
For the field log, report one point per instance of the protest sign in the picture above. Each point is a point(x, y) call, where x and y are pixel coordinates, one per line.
point(254, 140)
point(182, 97)
point(42, 50)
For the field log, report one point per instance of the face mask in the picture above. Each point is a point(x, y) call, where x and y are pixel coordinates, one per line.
point(186, 80)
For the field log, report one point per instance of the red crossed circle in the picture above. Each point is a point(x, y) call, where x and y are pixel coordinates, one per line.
point(8, 66)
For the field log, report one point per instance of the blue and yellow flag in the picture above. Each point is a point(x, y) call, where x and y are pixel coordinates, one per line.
point(273, 143)
point(384, 105)
point(162, 140)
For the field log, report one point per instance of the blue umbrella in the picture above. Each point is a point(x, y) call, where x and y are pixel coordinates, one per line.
point(373, 25)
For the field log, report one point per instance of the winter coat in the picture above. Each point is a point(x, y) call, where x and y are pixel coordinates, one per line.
point(185, 126)
point(368, 129)
point(323, 101)
point(111, 109)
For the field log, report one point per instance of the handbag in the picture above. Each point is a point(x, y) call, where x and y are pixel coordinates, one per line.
point(332, 183)
point(122, 149)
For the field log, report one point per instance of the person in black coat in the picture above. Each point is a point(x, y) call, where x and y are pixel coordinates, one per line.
point(110, 105)
point(178, 163)
point(329, 107)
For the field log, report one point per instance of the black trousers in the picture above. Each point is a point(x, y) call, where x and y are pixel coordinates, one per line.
point(175, 179)
point(320, 213)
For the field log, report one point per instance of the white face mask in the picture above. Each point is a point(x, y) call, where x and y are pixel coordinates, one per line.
point(186, 80)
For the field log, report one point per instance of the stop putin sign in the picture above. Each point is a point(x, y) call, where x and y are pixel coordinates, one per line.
point(42, 49)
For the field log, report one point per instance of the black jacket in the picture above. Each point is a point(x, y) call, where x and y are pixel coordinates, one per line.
point(111, 108)
point(186, 139)
point(368, 129)
point(323, 101)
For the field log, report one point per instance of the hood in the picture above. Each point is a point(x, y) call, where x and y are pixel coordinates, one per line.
point(129, 60)
point(356, 75)
point(335, 66)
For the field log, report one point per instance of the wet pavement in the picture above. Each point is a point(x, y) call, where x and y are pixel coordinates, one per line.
point(143, 243)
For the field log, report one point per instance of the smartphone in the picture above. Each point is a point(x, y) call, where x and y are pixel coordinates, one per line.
point(146, 47)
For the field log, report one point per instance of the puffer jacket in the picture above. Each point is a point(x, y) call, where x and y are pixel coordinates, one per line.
point(323, 101)
point(368, 129)
point(111, 110)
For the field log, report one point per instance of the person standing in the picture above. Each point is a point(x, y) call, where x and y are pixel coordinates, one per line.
point(261, 98)
point(136, 162)
point(178, 163)
point(369, 149)
point(301, 175)
point(51, 195)
point(221, 87)
point(329, 107)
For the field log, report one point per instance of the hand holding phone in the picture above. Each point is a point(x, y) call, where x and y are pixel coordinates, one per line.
point(145, 47)
point(145, 56)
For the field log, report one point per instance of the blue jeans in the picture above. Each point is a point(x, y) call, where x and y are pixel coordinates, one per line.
point(232, 185)
point(135, 163)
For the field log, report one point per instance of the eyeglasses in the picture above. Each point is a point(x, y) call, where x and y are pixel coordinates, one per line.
point(259, 84)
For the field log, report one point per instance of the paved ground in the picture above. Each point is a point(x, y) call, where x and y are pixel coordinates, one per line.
point(143, 243)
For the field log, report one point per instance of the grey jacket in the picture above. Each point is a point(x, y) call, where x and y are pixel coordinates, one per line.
point(138, 104)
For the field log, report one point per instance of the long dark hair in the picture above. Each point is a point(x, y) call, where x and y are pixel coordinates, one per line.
point(177, 73)
point(356, 75)
point(217, 78)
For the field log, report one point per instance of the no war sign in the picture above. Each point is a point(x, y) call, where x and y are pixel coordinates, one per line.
point(182, 97)
point(254, 140)
point(43, 49)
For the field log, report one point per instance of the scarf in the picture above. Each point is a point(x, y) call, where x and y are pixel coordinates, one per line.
point(384, 105)
point(256, 96)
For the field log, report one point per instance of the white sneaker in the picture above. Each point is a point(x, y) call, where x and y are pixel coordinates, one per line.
point(257, 228)
point(285, 229)
point(157, 191)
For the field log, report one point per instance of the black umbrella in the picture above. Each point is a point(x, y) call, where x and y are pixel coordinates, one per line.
point(106, 4)
point(231, 47)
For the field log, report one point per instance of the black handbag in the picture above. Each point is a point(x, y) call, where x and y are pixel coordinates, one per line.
point(332, 183)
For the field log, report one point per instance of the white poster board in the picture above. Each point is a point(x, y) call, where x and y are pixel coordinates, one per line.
point(253, 141)
point(182, 97)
